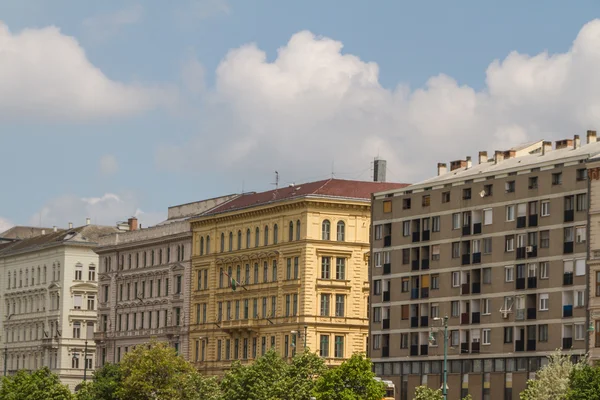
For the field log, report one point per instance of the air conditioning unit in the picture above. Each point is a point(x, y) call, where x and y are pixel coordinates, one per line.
point(529, 249)
point(505, 315)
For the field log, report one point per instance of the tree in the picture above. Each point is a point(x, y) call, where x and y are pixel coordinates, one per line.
point(301, 376)
point(427, 393)
point(552, 381)
point(104, 384)
point(39, 385)
point(584, 383)
point(353, 380)
point(155, 371)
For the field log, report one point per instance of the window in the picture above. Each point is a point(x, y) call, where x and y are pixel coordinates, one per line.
point(426, 200)
point(76, 330)
point(178, 284)
point(544, 302)
point(487, 336)
point(435, 311)
point(455, 308)
point(387, 206)
point(557, 178)
point(445, 197)
point(339, 305)
point(456, 250)
point(341, 231)
point(91, 300)
point(487, 275)
point(456, 221)
point(404, 340)
point(581, 174)
point(509, 243)
point(485, 306)
point(487, 216)
point(579, 332)
point(266, 238)
point(256, 237)
point(378, 232)
point(325, 305)
point(488, 190)
point(435, 252)
point(510, 186)
point(544, 268)
point(339, 347)
point(404, 285)
point(406, 204)
point(435, 282)
point(324, 346)
point(326, 268)
point(579, 298)
point(455, 279)
point(508, 334)
point(377, 287)
point(274, 274)
point(544, 239)
point(340, 269)
point(487, 245)
point(454, 338)
point(545, 208)
point(435, 223)
point(275, 234)
point(569, 232)
point(77, 299)
point(296, 269)
point(222, 242)
point(466, 194)
point(265, 271)
point(580, 234)
point(510, 213)
point(533, 182)
point(582, 203)
point(406, 228)
point(78, 273)
point(509, 274)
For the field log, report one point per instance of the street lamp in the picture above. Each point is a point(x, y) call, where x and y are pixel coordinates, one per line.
point(6, 347)
point(431, 340)
point(85, 362)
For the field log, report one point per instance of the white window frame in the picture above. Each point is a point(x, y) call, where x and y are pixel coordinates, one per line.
point(378, 260)
point(544, 302)
point(406, 228)
point(488, 212)
point(580, 267)
point(545, 208)
point(378, 231)
point(455, 279)
point(486, 337)
point(579, 298)
point(509, 273)
point(511, 241)
point(456, 221)
point(580, 234)
point(485, 307)
point(510, 213)
point(579, 331)
point(544, 269)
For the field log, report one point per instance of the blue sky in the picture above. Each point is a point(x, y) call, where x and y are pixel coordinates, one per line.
point(116, 108)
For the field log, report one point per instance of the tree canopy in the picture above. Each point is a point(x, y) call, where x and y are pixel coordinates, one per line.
point(584, 383)
point(38, 385)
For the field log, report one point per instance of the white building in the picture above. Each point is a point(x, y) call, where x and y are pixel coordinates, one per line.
point(49, 297)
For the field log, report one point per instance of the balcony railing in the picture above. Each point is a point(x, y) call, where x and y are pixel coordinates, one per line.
point(464, 318)
point(425, 236)
point(531, 313)
point(385, 323)
point(385, 351)
point(424, 293)
point(533, 220)
point(520, 314)
point(416, 237)
point(531, 345)
point(533, 252)
point(424, 349)
point(568, 247)
point(476, 228)
point(387, 241)
point(414, 322)
point(466, 259)
point(465, 288)
point(476, 288)
point(521, 222)
point(474, 347)
point(466, 230)
point(476, 258)
point(567, 343)
point(521, 253)
point(424, 321)
point(475, 317)
point(464, 348)
point(520, 283)
point(387, 268)
point(386, 296)
point(414, 350)
point(414, 293)
point(415, 265)
point(532, 282)
point(567, 311)
point(519, 345)
point(425, 264)
point(569, 216)
point(568, 278)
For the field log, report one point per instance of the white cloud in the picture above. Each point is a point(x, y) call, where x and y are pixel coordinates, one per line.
point(104, 210)
point(314, 105)
point(46, 74)
point(108, 165)
point(106, 26)
point(5, 225)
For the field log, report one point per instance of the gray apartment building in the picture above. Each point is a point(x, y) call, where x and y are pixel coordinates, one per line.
point(500, 248)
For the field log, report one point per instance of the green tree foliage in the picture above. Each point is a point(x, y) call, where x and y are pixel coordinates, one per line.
point(584, 383)
point(552, 381)
point(353, 380)
point(103, 385)
point(39, 385)
point(301, 376)
point(427, 393)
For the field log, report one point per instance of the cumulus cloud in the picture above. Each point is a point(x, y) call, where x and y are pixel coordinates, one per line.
point(314, 103)
point(46, 74)
point(105, 26)
point(5, 225)
point(108, 165)
point(103, 210)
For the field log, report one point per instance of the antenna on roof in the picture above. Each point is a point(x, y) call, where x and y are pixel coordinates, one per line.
point(276, 184)
point(332, 169)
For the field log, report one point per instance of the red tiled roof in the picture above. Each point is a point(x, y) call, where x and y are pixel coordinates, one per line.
point(327, 188)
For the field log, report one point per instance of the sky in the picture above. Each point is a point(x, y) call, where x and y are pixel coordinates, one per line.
point(119, 108)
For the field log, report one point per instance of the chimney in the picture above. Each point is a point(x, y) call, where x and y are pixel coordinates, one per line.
point(87, 221)
point(133, 223)
point(508, 154)
point(482, 157)
point(498, 156)
point(563, 144)
point(591, 137)
point(458, 164)
point(55, 229)
point(546, 147)
point(469, 163)
point(442, 168)
point(70, 225)
point(379, 170)
point(576, 142)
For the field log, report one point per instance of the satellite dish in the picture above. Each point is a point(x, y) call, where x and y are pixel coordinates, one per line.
point(482, 193)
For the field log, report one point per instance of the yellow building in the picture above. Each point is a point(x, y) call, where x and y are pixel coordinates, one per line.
point(283, 269)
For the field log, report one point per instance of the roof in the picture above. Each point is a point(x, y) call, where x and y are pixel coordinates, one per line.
point(23, 232)
point(329, 188)
point(83, 235)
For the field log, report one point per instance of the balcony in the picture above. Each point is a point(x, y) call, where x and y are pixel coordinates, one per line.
point(475, 347)
point(466, 259)
point(532, 282)
point(533, 252)
point(466, 230)
point(520, 314)
point(531, 313)
point(567, 311)
point(385, 323)
point(425, 236)
point(464, 318)
point(414, 350)
point(521, 252)
point(521, 222)
point(51, 343)
point(475, 317)
point(568, 248)
point(477, 228)
point(386, 296)
point(424, 349)
point(424, 293)
point(416, 237)
point(424, 321)
point(414, 322)
point(476, 288)
point(567, 343)
point(387, 241)
point(465, 288)
point(476, 258)
point(531, 345)
point(415, 265)
point(424, 264)
point(464, 348)
point(414, 293)
point(519, 345)
point(520, 283)
point(567, 278)
point(533, 220)
point(387, 268)
point(569, 216)
point(385, 351)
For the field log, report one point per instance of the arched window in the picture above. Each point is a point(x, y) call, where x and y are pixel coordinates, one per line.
point(44, 274)
point(291, 231)
point(201, 246)
point(208, 245)
point(39, 280)
point(152, 258)
point(222, 242)
point(341, 231)
point(275, 233)
point(230, 241)
point(129, 261)
point(247, 274)
point(266, 242)
point(248, 238)
point(160, 257)
point(32, 276)
point(256, 237)
point(326, 230)
point(298, 230)
point(239, 242)
point(26, 277)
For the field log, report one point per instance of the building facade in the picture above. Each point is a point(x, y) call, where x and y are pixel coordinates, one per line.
point(144, 284)
point(49, 294)
point(594, 259)
point(284, 269)
point(499, 248)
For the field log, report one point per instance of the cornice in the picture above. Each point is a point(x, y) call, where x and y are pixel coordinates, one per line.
point(150, 243)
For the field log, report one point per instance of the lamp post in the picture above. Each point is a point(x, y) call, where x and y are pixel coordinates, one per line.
point(445, 379)
point(85, 362)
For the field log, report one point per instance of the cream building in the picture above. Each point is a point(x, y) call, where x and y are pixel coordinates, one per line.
point(49, 298)
point(298, 257)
